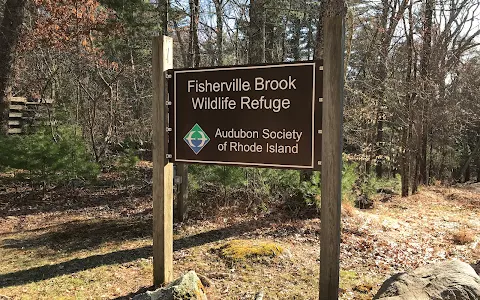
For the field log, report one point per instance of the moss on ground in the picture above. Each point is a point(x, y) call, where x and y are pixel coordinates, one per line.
point(238, 250)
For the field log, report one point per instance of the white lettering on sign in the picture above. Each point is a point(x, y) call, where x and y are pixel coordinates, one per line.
point(236, 85)
point(262, 84)
point(282, 135)
point(236, 134)
point(267, 134)
point(239, 147)
point(215, 103)
point(282, 149)
point(276, 105)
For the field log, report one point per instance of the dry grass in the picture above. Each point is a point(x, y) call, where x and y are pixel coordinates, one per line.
point(348, 210)
point(96, 244)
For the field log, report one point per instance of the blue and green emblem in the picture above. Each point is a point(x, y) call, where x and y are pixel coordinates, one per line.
point(196, 138)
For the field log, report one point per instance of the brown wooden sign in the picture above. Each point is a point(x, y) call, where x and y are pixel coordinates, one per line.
point(261, 115)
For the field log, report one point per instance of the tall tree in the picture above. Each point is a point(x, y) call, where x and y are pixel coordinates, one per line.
point(219, 30)
point(392, 13)
point(10, 30)
point(193, 46)
point(405, 163)
point(424, 127)
point(319, 38)
point(256, 32)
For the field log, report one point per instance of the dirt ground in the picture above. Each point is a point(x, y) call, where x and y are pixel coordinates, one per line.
point(95, 243)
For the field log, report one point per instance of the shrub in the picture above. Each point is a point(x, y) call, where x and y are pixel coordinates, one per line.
point(349, 179)
point(260, 184)
point(47, 158)
point(126, 164)
point(311, 191)
point(371, 184)
point(225, 176)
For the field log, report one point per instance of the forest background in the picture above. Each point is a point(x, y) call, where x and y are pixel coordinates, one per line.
point(412, 84)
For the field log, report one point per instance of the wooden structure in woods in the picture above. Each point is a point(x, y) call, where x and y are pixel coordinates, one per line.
point(24, 114)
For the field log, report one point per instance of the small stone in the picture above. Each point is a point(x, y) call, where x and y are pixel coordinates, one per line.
point(187, 287)
point(259, 296)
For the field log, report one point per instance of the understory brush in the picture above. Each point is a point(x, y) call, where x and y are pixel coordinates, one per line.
point(260, 190)
point(47, 157)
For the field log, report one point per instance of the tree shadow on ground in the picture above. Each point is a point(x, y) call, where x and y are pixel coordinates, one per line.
point(117, 257)
point(29, 202)
point(140, 291)
point(80, 235)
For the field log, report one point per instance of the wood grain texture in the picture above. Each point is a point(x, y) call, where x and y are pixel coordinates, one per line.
point(162, 169)
point(332, 126)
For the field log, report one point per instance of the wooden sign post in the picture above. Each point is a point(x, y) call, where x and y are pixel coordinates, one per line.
point(162, 169)
point(332, 152)
point(246, 115)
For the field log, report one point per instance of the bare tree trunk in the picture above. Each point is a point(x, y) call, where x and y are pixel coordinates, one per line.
point(424, 67)
point(297, 28)
point(404, 166)
point(466, 165)
point(283, 51)
point(193, 46)
point(270, 38)
point(10, 31)
point(468, 173)
point(256, 32)
point(219, 15)
point(406, 131)
point(184, 54)
point(477, 163)
point(415, 174)
point(319, 38)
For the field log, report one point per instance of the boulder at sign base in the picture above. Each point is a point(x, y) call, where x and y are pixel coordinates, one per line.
point(187, 287)
point(452, 280)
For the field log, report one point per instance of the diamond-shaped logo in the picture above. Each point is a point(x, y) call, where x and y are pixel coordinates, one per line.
point(196, 138)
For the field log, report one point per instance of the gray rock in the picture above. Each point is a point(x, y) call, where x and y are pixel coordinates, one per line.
point(259, 296)
point(187, 287)
point(452, 280)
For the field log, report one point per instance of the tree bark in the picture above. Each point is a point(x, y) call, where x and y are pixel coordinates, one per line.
point(270, 45)
point(10, 31)
point(406, 131)
point(463, 170)
point(319, 38)
point(193, 46)
point(184, 54)
point(424, 67)
point(477, 163)
point(219, 15)
point(297, 28)
point(256, 32)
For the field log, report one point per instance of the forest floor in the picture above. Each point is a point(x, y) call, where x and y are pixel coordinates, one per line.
point(95, 243)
